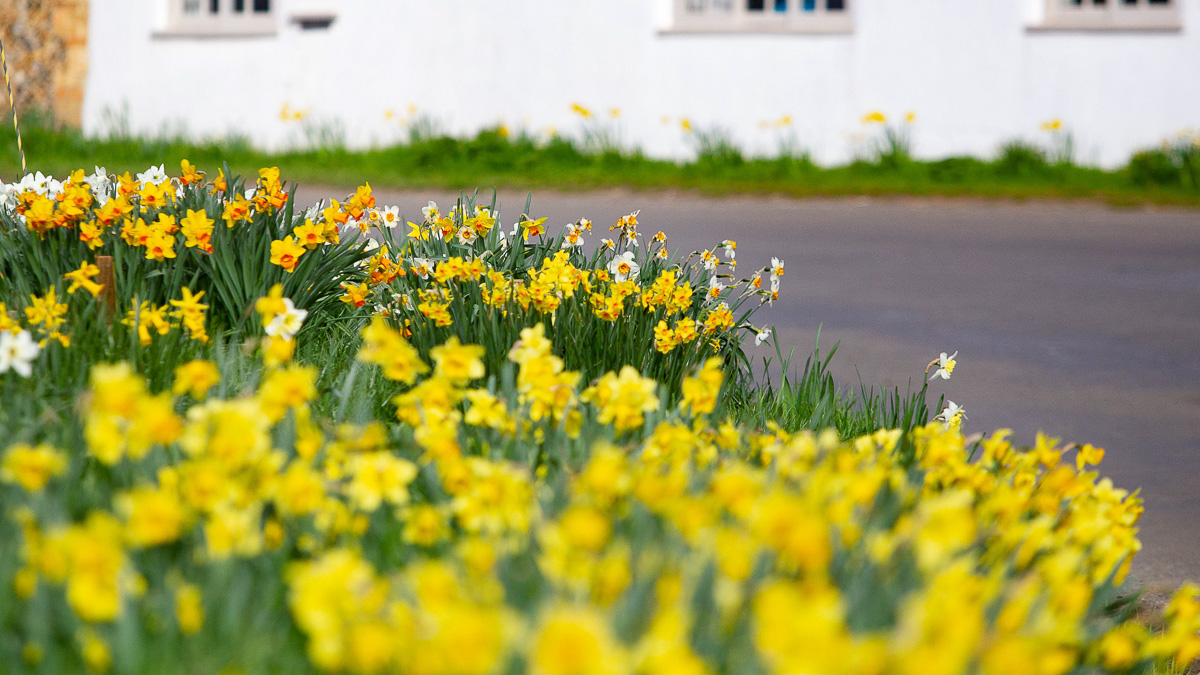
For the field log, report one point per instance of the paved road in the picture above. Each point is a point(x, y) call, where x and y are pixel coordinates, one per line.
point(1079, 320)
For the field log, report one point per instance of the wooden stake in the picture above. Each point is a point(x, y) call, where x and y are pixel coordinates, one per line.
point(108, 295)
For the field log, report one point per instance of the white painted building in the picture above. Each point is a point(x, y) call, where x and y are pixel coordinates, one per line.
point(1120, 74)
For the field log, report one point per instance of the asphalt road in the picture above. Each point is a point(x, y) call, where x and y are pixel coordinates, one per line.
point(1075, 319)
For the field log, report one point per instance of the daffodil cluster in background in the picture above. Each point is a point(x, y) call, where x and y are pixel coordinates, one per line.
point(241, 437)
point(188, 252)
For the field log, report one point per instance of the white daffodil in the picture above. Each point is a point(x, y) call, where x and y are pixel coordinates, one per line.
point(730, 248)
point(430, 212)
point(608, 244)
point(17, 353)
point(762, 336)
point(945, 367)
point(583, 224)
point(710, 260)
point(40, 183)
point(572, 238)
point(287, 324)
point(715, 288)
point(404, 300)
point(662, 254)
point(467, 235)
point(99, 181)
point(623, 267)
point(422, 267)
point(390, 216)
point(953, 415)
point(32, 181)
point(776, 268)
point(155, 174)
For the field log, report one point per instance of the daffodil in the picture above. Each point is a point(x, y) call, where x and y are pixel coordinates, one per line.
point(84, 278)
point(286, 253)
point(457, 362)
point(430, 212)
point(17, 353)
point(623, 267)
point(952, 415)
point(390, 217)
point(874, 117)
point(288, 322)
point(154, 175)
point(32, 467)
point(945, 366)
point(715, 288)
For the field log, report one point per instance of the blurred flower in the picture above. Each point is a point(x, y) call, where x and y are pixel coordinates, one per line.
point(952, 415)
point(17, 353)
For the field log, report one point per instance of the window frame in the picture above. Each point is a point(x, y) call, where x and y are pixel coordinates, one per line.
point(224, 23)
point(740, 20)
point(1115, 15)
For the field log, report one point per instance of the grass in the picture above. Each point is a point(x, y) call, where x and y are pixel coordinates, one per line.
point(809, 398)
point(495, 158)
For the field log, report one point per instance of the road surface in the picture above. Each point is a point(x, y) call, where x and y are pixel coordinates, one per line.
point(1076, 319)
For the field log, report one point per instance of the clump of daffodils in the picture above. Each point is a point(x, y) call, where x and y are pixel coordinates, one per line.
point(546, 478)
point(392, 543)
point(201, 246)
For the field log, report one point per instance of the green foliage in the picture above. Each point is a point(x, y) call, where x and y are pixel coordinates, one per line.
point(428, 158)
point(714, 147)
point(1154, 167)
point(1022, 159)
point(809, 398)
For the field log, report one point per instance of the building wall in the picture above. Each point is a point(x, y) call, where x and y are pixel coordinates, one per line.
point(970, 70)
point(45, 45)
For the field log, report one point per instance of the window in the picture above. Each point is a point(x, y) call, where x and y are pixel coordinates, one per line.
point(1112, 14)
point(761, 16)
point(204, 18)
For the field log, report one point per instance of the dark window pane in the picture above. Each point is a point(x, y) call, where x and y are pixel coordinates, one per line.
point(780, 5)
point(835, 5)
point(810, 5)
point(239, 5)
point(262, 5)
point(214, 6)
point(754, 5)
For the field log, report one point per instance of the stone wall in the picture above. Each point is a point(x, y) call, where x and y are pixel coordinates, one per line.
point(45, 42)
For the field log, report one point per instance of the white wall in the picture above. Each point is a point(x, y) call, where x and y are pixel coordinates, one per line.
point(970, 70)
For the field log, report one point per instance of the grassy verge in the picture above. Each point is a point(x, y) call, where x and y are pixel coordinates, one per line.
point(493, 158)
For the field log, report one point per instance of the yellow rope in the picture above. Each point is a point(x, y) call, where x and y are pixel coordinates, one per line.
point(12, 104)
